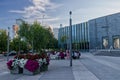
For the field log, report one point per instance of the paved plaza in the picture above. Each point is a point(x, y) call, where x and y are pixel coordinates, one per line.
point(88, 67)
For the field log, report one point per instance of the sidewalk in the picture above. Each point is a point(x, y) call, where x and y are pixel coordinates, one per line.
point(58, 70)
point(61, 70)
point(1, 55)
point(81, 72)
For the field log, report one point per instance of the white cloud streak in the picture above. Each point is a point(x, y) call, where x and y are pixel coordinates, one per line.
point(38, 9)
point(17, 11)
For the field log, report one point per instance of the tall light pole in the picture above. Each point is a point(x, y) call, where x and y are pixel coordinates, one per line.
point(32, 47)
point(70, 13)
point(8, 44)
point(43, 20)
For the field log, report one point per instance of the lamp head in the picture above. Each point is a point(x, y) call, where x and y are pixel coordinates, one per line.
point(70, 12)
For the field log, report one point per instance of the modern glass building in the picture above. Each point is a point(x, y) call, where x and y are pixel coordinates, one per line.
point(99, 33)
point(80, 37)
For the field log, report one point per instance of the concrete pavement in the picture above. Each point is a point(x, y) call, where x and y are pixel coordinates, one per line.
point(58, 70)
point(81, 72)
point(104, 67)
point(88, 67)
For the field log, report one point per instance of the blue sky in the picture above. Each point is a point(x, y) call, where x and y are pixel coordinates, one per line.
point(55, 12)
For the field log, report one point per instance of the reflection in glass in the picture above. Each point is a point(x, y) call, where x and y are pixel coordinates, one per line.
point(116, 43)
point(105, 42)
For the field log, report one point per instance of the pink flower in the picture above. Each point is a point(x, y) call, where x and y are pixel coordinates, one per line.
point(32, 65)
point(9, 64)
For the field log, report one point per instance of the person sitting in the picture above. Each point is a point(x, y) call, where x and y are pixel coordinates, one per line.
point(76, 55)
point(62, 56)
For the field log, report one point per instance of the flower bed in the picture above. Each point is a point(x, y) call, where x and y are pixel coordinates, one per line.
point(30, 64)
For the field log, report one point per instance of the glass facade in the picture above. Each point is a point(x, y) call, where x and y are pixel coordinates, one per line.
point(80, 37)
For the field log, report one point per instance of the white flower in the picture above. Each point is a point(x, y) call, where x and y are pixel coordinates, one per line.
point(15, 63)
point(40, 61)
point(22, 62)
point(44, 61)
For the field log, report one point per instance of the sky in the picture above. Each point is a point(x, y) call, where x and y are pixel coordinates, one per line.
point(54, 12)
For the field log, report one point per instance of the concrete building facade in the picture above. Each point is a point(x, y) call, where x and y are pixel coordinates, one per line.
point(100, 33)
point(105, 32)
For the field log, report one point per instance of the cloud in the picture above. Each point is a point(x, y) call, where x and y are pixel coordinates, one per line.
point(38, 9)
point(45, 21)
point(52, 19)
point(17, 11)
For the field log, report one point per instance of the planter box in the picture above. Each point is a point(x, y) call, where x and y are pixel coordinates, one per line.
point(17, 70)
point(27, 72)
point(43, 67)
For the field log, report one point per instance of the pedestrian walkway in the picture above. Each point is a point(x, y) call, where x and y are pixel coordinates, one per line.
point(88, 67)
point(58, 70)
point(81, 72)
point(61, 70)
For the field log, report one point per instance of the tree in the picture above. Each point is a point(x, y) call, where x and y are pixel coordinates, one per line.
point(17, 44)
point(63, 39)
point(37, 35)
point(3, 40)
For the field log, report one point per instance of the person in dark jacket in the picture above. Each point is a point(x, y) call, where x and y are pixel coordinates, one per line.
point(61, 55)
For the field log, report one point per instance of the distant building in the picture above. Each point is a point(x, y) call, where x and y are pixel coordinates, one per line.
point(16, 26)
point(55, 32)
point(15, 30)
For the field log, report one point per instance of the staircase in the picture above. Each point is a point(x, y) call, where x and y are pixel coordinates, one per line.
point(107, 53)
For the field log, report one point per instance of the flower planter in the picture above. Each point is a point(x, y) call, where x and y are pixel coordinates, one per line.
point(17, 70)
point(27, 72)
point(43, 67)
point(28, 64)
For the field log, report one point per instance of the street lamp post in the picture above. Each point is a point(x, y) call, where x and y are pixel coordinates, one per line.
point(70, 38)
point(8, 44)
point(32, 47)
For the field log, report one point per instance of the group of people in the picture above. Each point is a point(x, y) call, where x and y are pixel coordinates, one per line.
point(76, 54)
point(65, 55)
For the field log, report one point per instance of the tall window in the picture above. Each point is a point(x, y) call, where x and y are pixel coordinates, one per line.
point(105, 42)
point(116, 43)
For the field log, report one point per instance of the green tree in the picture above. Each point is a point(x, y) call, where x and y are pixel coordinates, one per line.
point(17, 44)
point(3, 40)
point(63, 39)
point(38, 35)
